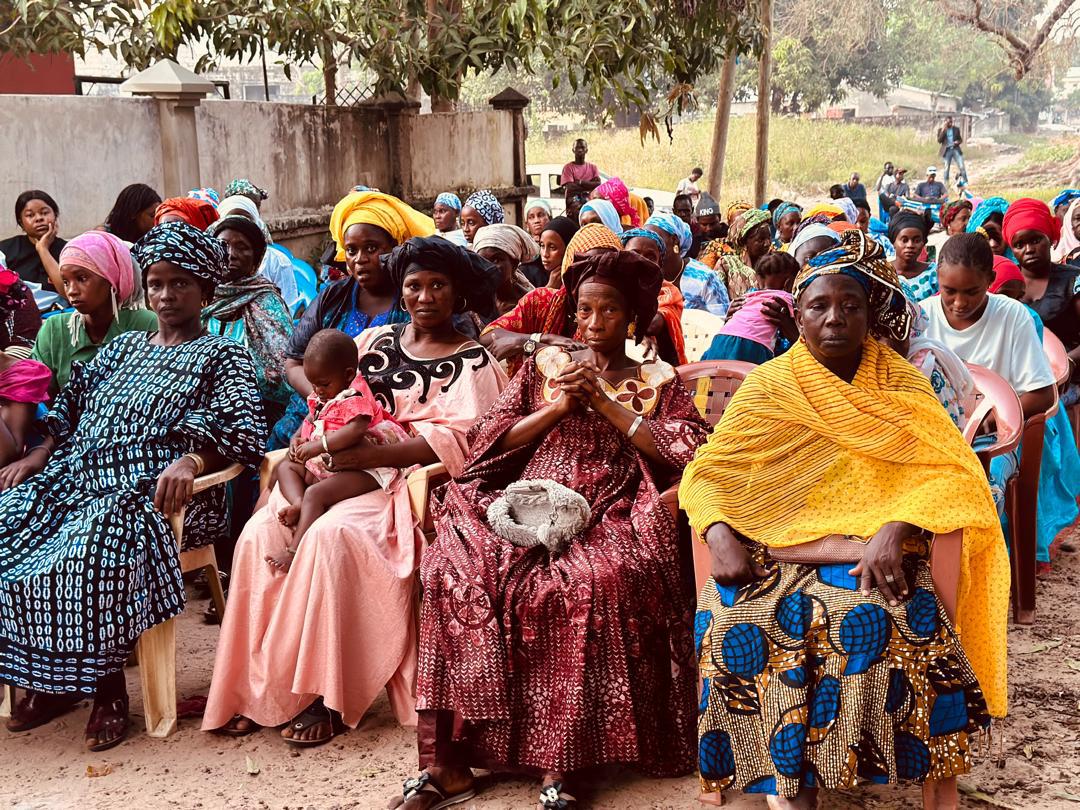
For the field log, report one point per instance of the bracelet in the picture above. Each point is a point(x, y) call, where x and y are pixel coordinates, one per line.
point(200, 465)
point(324, 447)
point(634, 427)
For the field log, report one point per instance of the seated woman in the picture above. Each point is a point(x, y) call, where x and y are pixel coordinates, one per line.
point(1067, 249)
point(663, 336)
point(818, 676)
point(481, 208)
point(507, 247)
point(553, 244)
point(315, 646)
point(101, 283)
point(786, 218)
point(577, 654)
point(127, 436)
point(132, 215)
point(908, 232)
point(34, 254)
point(445, 213)
point(24, 384)
point(988, 216)
point(700, 287)
point(195, 212)
point(749, 239)
point(600, 212)
point(631, 209)
point(537, 217)
point(365, 225)
point(20, 320)
point(275, 265)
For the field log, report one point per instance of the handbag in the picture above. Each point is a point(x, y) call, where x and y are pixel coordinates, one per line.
point(833, 548)
point(539, 512)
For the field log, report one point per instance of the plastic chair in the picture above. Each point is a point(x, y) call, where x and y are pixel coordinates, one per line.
point(993, 395)
point(713, 383)
point(1058, 357)
point(699, 328)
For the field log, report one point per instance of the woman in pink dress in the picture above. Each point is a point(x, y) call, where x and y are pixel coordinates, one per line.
point(313, 647)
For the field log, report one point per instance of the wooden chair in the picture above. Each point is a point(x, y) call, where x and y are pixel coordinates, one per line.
point(699, 328)
point(156, 649)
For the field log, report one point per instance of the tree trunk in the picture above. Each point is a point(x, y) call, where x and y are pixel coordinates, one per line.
point(720, 127)
point(761, 159)
point(439, 103)
point(329, 72)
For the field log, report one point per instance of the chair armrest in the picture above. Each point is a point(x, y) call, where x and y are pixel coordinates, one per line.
point(222, 476)
point(420, 483)
point(269, 462)
point(670, 499)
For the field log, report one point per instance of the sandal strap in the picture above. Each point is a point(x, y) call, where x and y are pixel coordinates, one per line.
point(423, 783)
point(553, 797)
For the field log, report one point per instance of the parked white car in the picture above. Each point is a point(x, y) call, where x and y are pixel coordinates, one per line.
point(545, 177)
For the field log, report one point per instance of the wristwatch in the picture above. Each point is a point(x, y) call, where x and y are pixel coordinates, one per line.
point(532, 344)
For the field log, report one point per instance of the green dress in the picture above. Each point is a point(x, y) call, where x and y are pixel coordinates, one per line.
point(54, 348)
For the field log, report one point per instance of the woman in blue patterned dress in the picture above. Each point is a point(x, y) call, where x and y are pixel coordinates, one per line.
point(88, 561)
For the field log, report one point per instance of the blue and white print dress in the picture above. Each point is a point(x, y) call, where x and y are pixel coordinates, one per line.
point(86, 563)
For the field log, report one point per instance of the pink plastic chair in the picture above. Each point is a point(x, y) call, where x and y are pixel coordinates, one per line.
point(1058, 357)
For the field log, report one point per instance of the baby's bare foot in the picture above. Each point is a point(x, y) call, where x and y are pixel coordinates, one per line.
point(289, 516)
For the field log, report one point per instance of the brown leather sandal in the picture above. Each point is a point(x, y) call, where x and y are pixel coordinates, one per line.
point(108, 716)
point(38, 708)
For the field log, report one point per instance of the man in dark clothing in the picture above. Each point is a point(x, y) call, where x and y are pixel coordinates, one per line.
point(710, 225)
point(855, 190)
point(931, 190)
point(949, 138)
point(894, 190)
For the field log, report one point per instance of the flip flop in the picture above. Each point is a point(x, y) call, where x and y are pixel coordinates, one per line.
point(424, 783)
point(553, 797)
point(314, 715)
point(38, 708)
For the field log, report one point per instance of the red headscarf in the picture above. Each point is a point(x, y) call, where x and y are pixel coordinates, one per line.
point(197, 213)
point(616, 193)
point(1004, 270)
point(1028, 214)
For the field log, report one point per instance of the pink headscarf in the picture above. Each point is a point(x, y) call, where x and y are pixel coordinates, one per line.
point(616, 192)
point(104, 255)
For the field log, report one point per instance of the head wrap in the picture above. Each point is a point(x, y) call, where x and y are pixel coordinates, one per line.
point(637, 278)
point(247, 189)
point(607, 213)
point(564, 227)
point(831, 209)
point(670, 223)
point(1005, 270)
point(841, 226)
point(198, 213)
point(1029, 214)
point(851, 211)
point(487, 205)
point(239, 205)
point(1068, 242)
point(812, 230)
point(616, 192)
point(783, 209)
point(862, 258)
point(641, 233)
point(902, 220)
point(510, 239)
point(986, 209)
point(106, 256)
point(474, 277)
point(206, 195)
point(950, 209)
point(450, 200)
point(192, 250)
point(398, 219)
point(589, 237)
point(744, 223)
point(248, 228)
point(1066, 196)
point(542, 204)
point(734, 209)
point(707, 206)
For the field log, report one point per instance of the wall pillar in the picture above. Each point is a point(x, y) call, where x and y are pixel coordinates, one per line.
point(510, 100)
point(400, 114)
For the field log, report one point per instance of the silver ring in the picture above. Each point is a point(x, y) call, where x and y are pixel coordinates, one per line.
point(890, 578)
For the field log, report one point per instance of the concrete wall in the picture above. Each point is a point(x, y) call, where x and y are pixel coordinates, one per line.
point(456, 151)
point(80, 150)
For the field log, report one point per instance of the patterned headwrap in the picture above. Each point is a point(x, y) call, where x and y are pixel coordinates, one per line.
point(950, 209)
point(449, 199)
point(1066, 196)
point(604, 209)
point(851, 211)
point(638, 279)
point(783, 209)
point(641, 233)
point(190, 249)
point(516, 243)
point(487, 205)
point(247, 188)
point(862, 258)
point(206, 195)
point(1029, 214)
point(589, 237)
point(986, 209)
point(616, 192)
point(744, 223)
point(830, 209)
point(198, 213)
point(669, 223)
point(473, 277)
point(398, 219)
point(734, 209)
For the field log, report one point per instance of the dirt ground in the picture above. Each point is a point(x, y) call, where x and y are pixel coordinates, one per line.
point(49, 768)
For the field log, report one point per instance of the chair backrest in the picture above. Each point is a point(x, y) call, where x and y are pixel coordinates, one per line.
point(993, 394)
point(1058, 357)
point(712, 384)
point(699, 328)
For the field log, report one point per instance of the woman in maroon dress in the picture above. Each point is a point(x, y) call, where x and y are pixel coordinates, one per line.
point(549, 662)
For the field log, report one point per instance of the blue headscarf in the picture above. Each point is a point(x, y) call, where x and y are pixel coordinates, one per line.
point(607, 213)
point(450, 200)
point(487, 205)
point(641, 233)
point(1065, 197)
point(986, 209)
point(669, 223)
point(784, 209)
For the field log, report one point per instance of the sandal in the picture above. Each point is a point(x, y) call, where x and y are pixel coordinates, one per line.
point(105, 715)
point(230, 729)
point(314, 715)
point(38, 708)
point(553, 797)
point(424, 783)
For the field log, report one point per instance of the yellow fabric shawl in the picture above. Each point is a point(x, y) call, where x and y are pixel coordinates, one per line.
point(800, 454)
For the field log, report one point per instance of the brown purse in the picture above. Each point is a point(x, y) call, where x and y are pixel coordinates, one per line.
point(833, 548)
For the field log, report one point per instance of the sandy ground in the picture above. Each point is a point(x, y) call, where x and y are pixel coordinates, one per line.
point(49, 768)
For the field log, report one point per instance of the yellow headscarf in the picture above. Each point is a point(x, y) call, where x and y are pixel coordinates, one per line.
point(827, 208)
point(800, 454)
point(398, 219)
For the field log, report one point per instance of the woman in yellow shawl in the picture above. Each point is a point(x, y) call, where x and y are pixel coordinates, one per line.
point(819, 676)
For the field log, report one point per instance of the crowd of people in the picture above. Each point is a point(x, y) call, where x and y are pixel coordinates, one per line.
point(555, 630)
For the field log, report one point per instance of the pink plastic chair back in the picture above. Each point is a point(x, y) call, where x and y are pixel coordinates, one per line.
point(1058, 357)
point(993, 394)
point(713, 383)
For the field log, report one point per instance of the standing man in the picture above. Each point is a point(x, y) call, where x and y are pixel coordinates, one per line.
point(931, 190)
point(950, 139)
point(577, 175)
point(689, 186)
point(855, 190)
